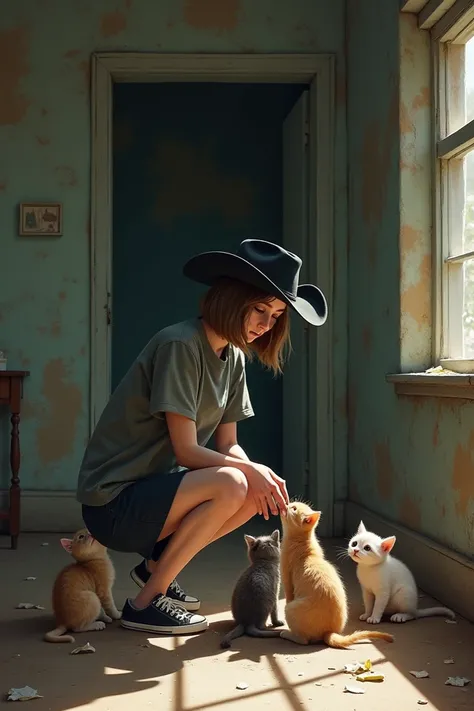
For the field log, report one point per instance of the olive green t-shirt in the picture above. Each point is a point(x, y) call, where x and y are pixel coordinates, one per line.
point(178, 372)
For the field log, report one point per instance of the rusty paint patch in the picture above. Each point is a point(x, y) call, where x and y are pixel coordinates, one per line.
point(72, 53)
point(54, 329)
point(14, 49)
point(410, 513)
point(66, 175)
point(422, 99)
point(55, 436)
point(406, 124)
point(385, 472)
point(82, 351)
point(415, 300)
point(62, 295)
point(409, 237)
point(462, 479)
point(220, 15)
point(43, 141)
point(112, 23)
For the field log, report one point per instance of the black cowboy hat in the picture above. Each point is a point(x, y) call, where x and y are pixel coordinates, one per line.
point(266, 266)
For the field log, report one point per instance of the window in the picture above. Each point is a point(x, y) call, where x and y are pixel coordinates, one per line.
point(454, 130)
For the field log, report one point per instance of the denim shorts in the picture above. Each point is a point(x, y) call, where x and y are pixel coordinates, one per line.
point(132, 522)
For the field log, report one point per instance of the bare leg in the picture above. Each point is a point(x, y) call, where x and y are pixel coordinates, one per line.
point(205, 501)
point(244, 514)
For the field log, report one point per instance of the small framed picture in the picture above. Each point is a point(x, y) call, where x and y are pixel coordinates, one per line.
point(41, 218)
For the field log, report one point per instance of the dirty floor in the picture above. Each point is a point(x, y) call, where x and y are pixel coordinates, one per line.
point(135, 670)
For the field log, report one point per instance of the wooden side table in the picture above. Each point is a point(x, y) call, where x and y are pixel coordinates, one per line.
point(11, 393)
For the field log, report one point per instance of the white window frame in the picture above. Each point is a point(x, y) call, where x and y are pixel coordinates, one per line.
point(453, 139)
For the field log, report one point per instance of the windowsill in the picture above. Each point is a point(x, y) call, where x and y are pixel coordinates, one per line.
point(435, 382)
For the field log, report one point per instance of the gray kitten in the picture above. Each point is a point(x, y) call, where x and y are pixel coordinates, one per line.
point(255, 595)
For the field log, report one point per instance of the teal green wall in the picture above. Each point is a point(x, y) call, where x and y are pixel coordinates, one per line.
point(410, 458)
point(45, 149)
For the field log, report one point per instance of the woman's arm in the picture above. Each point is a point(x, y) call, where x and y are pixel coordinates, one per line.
point(226, 441)
point(191, 455)
point(265, 486)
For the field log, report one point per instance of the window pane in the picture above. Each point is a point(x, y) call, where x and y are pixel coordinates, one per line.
point(460, 86)
point(468, 222)
point(468, 309)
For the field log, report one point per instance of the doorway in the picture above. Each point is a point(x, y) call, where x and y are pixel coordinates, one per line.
point(196, 167)
point(308, 229)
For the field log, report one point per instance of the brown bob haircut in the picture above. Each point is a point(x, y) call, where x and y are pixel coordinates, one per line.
point(226, 307)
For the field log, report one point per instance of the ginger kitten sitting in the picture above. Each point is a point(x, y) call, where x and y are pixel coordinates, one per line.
point(316, 603)
point(82, 591)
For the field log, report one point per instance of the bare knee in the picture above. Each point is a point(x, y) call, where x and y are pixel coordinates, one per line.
point(232, 486)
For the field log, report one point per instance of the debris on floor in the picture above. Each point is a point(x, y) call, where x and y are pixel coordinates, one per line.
point(451, 622)
point(363, 671)
point(449, 661)
point(24, 694)
point(242, 685)
point(353, 689)
point(86, 649)
point(29, 606)
point(30, 577)
point(45, 544)
point(422, 702)
point(457, 681)
point(420, 674)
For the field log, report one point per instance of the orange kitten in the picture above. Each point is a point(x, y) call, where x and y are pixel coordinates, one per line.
point(316, 603)
point(82, 591)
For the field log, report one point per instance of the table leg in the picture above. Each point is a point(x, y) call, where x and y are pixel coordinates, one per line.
point(15, 464)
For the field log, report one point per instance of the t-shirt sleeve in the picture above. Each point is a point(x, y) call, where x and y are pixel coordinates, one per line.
point(238, 405)
point(175, 379)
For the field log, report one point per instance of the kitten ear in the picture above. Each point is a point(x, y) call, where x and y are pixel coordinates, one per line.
point(276, 535)
point(313, 518)
point(67, 544)
point(362, 528)
point(387, 544)
point(249, 540)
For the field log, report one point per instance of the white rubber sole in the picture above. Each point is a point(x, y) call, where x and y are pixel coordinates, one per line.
point(189, 606)
point(168, 630)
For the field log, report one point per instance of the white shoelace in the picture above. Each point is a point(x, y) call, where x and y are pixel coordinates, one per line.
point(177, 588)
point(173, 610)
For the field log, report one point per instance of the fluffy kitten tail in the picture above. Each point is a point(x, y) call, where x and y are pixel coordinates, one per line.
point(253, 631)
point(436, 612)
point(343, 641)
point(58, 635)
point(238, 631)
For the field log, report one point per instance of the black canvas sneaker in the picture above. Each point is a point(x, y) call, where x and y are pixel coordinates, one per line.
point(162, 616)
point(175, 592)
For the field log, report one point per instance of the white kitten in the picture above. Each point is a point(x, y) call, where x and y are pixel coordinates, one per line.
point(388, 587)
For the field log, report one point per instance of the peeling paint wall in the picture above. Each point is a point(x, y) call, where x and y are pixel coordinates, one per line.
point(411, 459)
point(45, 47)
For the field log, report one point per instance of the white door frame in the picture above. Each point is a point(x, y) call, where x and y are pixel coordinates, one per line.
point(316, 70)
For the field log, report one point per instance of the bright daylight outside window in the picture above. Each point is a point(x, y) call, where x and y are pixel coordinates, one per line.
point(456, 152)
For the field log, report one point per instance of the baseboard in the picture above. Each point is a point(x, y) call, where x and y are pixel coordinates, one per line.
point(46, 511)
point(445, 575)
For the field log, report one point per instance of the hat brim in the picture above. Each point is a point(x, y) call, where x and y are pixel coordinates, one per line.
point(208, 267)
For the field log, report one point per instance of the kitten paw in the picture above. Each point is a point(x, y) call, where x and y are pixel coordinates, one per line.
point(99, 625)
point(401, 617)
point(278, 623)
point(106, 619)
point(373, 620)
point(115, 614)
point(364, 616)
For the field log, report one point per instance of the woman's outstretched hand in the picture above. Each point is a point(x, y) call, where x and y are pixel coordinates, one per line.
point(267, 488)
